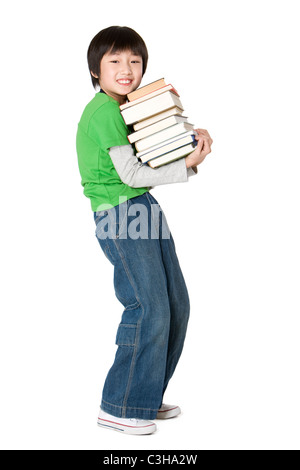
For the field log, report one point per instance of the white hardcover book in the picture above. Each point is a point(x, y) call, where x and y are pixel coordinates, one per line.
point(166, 142)
point(163, 135)
point(159, 91)
point(158, 126)
point(171, 156)
point(157, 117)
point(150, 107)
point(183, 140)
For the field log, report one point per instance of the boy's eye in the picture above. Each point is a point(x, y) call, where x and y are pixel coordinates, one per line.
point(116, 61)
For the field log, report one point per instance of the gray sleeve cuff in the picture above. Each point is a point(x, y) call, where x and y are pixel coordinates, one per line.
point(135, 174)
point(192, 171)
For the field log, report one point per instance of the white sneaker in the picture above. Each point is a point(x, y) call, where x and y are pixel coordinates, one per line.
point(168, 411)
point(126, 425)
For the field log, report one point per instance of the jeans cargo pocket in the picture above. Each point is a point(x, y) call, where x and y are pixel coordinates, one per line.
point(126, 335)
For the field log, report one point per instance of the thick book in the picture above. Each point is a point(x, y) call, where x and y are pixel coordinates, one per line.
point(167, 146)
point(163, 135)
point(171, 156)
point(166, 142)
point(148, 96)
point(144, 90)
point(158, 126)
point(151, 106)
point(157, 117)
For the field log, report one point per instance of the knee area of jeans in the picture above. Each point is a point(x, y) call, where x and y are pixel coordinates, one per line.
point(158, 330)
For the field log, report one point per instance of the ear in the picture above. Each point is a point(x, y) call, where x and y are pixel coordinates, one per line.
point(94, 75)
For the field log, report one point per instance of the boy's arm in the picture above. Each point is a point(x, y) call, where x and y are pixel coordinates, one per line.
point(137, 175)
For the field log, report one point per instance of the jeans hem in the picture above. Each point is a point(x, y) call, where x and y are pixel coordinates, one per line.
point(128, 412)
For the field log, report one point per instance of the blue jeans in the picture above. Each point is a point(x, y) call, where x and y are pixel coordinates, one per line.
point(149, 283)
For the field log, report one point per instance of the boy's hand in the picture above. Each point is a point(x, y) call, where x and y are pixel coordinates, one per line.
point(203, 148)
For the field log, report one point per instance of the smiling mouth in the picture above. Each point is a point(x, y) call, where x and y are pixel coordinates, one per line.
point(124, 82)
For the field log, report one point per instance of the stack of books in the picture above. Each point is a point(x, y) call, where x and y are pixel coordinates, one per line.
point(161, 134)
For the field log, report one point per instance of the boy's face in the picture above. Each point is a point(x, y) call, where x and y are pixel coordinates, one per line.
point(120, 74)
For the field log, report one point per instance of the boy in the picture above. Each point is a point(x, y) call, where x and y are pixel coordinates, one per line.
point(147, 277)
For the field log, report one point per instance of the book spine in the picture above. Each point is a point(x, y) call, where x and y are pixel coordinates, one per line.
point(166, 149)
point(140, 91)
point(162, 145)
point(148, 96)
point(155, 93)
point(162, 135)
point(147, 131)
point(177, 155)
point(140, 111)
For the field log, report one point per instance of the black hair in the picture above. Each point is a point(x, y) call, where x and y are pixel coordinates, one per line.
point(113, 39)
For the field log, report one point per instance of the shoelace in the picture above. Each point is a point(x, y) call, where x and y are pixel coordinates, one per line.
point(136, 421)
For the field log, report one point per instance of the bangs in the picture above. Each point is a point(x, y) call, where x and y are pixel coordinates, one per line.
point(126, 41)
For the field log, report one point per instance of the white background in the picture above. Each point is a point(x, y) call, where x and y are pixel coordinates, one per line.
point(236, 226)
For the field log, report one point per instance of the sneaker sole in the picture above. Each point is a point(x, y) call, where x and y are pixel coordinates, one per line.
point(114, 426)
point(167, 414)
